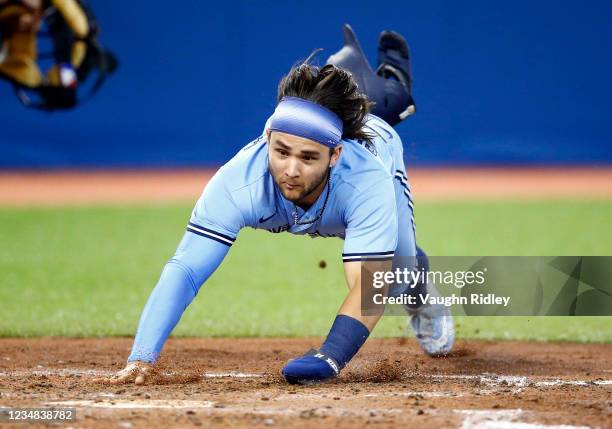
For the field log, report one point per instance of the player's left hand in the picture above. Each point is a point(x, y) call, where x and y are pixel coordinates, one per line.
point(312, 368)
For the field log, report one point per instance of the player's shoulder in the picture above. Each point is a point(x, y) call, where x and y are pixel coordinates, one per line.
point(239, 186)
point(381, 129)
point(364, 163)
point(247, 167)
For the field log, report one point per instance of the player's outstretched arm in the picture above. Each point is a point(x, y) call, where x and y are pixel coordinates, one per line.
point(359, 303)
point(370, 242)
point(213, 227)
point(351, 328)
point(195, 260)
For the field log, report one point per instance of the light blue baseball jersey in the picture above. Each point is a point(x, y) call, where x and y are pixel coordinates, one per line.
point(369, 206)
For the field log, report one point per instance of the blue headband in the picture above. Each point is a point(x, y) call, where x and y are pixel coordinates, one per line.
point(304, 118)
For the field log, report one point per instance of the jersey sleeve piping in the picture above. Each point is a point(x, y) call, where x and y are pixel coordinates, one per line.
point(368, 256)
point(211, 234)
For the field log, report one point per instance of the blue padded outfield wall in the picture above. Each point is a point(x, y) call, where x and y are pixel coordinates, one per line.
point(496, 83)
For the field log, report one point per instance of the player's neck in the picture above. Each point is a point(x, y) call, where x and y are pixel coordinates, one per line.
point(312, 197)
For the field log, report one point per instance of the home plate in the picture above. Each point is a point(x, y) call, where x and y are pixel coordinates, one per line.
point(137, 403)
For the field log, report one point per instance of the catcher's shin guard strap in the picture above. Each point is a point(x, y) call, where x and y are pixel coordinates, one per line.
point(344, 340)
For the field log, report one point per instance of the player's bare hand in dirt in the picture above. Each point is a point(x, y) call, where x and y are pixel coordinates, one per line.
point(134, 372)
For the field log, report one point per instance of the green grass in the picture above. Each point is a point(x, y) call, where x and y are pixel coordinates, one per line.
point(88, 271)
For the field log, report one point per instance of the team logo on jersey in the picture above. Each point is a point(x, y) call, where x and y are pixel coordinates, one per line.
point(279, 229)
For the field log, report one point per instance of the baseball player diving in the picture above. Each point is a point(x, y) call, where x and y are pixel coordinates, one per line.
point(324, 166)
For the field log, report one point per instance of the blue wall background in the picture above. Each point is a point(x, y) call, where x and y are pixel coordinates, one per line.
point(526, 82)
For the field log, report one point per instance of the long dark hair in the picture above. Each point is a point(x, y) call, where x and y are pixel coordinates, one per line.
point(333, 88)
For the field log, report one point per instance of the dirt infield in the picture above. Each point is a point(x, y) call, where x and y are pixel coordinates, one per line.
point(236, 383)
point(428, 184)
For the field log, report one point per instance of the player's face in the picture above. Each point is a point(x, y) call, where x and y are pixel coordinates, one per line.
point(299, 166)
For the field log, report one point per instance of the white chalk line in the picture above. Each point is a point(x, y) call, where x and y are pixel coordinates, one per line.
point(409, 394)
point(486, 379)
point(490, 382)
point(503, 419)
point(60, 372)
point(473, 419)
point(136, 403)
point(212, 407)
point(432, 394)
point(522, 381)
point(71, 372)
point(231, 375)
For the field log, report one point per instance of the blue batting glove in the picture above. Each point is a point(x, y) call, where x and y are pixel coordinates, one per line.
point(312, 368)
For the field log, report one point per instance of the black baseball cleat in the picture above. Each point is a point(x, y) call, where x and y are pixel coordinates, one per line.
point(394, 63)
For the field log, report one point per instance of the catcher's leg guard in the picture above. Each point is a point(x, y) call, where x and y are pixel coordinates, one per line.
point(18, 62)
